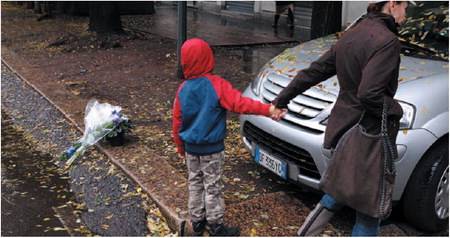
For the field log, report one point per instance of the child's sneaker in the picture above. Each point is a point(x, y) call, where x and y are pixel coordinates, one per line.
point(222, 230)
point(198, 227)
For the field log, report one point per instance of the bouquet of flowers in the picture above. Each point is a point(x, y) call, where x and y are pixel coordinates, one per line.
point(116, 136)
point(101, 119)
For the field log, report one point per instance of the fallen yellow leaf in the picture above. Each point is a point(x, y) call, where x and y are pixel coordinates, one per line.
point(252, 232)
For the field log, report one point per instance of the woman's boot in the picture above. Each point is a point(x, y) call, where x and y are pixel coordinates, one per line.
point(316, 221)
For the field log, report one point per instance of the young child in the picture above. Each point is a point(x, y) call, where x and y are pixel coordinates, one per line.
point(199, 117)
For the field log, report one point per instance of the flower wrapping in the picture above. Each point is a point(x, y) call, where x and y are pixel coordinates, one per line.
point(100, 120)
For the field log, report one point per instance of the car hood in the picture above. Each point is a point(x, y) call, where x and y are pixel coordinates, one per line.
point(292, 60)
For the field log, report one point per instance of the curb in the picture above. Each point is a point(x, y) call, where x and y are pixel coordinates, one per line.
point(174, 221)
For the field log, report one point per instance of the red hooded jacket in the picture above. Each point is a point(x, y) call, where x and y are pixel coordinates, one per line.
point(201, 102)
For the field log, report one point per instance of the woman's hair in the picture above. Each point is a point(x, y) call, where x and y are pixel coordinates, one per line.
point(378, 7)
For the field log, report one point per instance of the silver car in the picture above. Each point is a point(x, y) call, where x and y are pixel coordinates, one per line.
point(292, 147)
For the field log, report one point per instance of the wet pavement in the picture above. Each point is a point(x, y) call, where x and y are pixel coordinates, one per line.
point(252, 57)
point(31, 187)
point(241, 30)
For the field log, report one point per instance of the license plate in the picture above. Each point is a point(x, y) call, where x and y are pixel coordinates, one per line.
point(273, 164)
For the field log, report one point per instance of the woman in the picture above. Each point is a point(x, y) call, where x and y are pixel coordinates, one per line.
point(366, 60)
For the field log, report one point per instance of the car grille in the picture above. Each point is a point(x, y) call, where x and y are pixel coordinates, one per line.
point(282, 150)
point(305, 106)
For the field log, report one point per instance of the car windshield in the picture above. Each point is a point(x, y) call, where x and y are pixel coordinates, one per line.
point(425, 33)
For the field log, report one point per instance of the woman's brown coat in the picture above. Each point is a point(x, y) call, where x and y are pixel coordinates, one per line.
point(366, 60)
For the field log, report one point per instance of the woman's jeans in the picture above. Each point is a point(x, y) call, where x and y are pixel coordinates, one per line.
point(364, 225)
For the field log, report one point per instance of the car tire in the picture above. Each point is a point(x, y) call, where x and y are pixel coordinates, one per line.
point(419, 204)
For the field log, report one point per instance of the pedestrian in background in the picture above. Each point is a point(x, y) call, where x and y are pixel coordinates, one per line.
point(366, 60)
point(281, 7)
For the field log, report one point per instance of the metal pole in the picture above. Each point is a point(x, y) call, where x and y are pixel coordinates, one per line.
point(181, 33)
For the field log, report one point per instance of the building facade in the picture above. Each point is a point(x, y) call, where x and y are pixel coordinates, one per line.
point(316, 18)
point(350, 10)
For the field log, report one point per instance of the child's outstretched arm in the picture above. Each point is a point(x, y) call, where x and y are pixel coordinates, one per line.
point(232, 100)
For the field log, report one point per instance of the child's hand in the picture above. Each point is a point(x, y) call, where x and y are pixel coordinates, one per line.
point(277, 113)
point(181, 156)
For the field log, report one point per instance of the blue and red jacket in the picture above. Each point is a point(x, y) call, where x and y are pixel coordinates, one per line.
point(201, 102)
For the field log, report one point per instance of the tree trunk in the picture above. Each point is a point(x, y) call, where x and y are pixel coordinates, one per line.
point(136, 8)
point(78, 8)
point(29, 5)
point(104, 17)
point(47, 8)
point(61, 7)
point(37, 7)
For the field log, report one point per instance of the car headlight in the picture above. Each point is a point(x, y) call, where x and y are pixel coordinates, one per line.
point(407, 119)
point(255, 84)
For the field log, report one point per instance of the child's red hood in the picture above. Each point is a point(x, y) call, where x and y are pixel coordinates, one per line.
point(196, 58)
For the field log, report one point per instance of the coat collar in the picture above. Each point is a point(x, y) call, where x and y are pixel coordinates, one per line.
point(385, 19)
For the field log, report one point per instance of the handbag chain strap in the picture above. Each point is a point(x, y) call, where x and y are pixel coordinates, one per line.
point(390, 153)
point(389, 167)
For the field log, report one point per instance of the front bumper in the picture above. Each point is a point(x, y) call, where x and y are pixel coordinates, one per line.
point(411, 145)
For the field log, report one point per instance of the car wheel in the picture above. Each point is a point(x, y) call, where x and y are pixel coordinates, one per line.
point(425, 203)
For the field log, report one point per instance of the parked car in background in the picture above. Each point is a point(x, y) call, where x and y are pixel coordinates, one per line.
point(292, 147)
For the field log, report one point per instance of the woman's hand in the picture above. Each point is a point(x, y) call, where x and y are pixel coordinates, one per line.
point(277, 113)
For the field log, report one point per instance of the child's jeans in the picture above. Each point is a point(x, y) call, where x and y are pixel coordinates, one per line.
point(364, 225)
point(205, 187)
